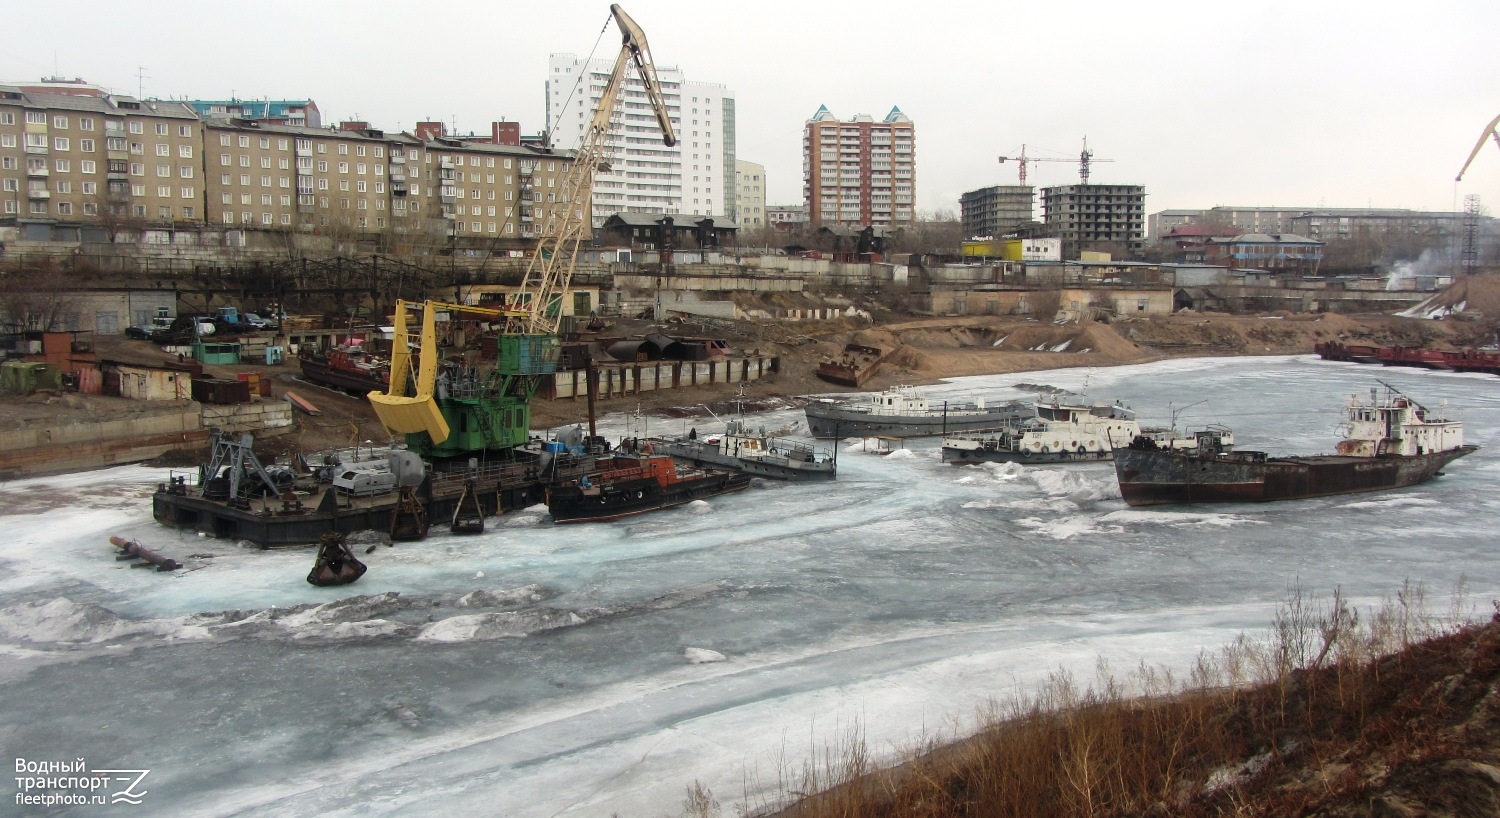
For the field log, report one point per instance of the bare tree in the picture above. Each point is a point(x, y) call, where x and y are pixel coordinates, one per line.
point(35, 299)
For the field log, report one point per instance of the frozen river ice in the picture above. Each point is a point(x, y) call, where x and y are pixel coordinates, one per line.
point(603, 668)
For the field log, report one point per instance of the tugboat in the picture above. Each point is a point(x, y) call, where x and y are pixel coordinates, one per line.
point(1064, 433)
point(751, 450)
point(632, 484)
point(902, 411)
point(1392, 442)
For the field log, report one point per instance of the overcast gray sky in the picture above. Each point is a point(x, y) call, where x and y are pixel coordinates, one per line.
point(1294, 104)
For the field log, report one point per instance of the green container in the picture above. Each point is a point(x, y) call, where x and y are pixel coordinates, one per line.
point(527, 354)
point(216, 353)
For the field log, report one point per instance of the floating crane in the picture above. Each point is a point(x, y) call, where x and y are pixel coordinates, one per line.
point(449, 409)
point(1084, 159)
point(1490, 130)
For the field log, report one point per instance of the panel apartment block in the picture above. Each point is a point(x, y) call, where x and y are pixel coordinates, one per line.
point(693, 177)
point(102, 160)
point(859, 172)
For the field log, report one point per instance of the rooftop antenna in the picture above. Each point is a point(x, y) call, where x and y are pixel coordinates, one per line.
point(140, 82)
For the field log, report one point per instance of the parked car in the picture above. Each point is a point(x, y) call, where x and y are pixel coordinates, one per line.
point(144, 332)
point(254, 321)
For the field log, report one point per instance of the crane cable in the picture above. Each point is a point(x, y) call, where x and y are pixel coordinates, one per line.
point(578, 81)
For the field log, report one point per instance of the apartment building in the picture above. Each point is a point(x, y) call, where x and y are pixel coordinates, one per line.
point(101, 159)
point(300, 112)
point(750, 190)
point(859, 171)
point(116, 162)
point(694, 177)
point(995, 211)
point(1087, 216)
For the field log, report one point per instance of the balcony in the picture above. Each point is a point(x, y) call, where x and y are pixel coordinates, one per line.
point(38, 172)
point(305, 152)
point(398, 188)
point(41, 149)
point(397, 159)
point(38, 194)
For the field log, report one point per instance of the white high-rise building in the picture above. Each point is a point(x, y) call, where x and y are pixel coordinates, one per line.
point(695, 177)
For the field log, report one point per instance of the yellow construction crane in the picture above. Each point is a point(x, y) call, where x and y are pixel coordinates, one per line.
point(1490, 130)
point(493, 410)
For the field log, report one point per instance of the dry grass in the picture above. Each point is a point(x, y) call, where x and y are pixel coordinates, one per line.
point(1321, 711)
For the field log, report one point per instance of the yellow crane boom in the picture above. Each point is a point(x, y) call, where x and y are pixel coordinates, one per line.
point(1489, 131)
point(564, 225)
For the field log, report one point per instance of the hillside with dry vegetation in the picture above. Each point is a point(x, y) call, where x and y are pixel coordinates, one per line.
point(1330, 714)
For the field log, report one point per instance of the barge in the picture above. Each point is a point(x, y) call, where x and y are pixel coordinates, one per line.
point(902, 411)
point(1392, 442)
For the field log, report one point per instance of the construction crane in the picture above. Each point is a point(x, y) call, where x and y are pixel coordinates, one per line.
point(551, 268)
point(1084, 159)
point(450, 408)
point(1490, 130)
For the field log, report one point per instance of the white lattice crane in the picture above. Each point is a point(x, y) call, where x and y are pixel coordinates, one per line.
point(563, 226)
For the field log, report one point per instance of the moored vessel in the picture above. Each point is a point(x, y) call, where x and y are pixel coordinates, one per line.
point(1064, 432)
point(1392, 442)
point(345, 367)
point(630, 484)
point(903, 411)
point(750, 450)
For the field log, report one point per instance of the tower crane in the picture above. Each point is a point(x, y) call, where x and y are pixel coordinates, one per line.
point(429, 399)
point(1084, 159)
point(1490, 130)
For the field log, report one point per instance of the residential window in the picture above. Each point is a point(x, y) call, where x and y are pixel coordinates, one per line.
point(163, 191)
point(344, 185)
point(136, 148)
point(265, 162)
point(322, 148)
point(265, 143)
point(226, 198)
point(161, 129)
point(184, 130)
point(185, 151)
point(36, 118)
point(63, 166)
point(226, 160)
point(286, 218)
point(90, 209)
point(265, 181)
point(244, 180)
point(185, 171)
point(244, 141)
point(137, 127)
point(64, 209)
point(343, 150)
point(11, 186)
point(246, 199)
point(7, 140)
point(359, 150)
point(228, 217)
point(265, 218)
point(7, 118)
point(284, 163)
point(164, 213)
point(187, 212)
point(379, 151)
point(343, 166)
point(224, 140)
point(265, 200)
point(285, 181)
point(163, 170)
point(64, 187)
point(226, 179)
point(322, 166)
point(163, 149)
point(360, 168)
point(322, 184)
point(60, 143)
point(138, 190)
point(90, 188)
point(286, 200)
point(86, 145)
point(137, 169)
point(60, 122)
point(282, 144)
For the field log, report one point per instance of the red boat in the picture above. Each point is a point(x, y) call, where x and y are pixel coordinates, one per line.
point(346, 368)
point(636, 484)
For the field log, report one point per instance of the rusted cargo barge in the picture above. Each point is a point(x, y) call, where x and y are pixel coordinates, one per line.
point(1393, 442)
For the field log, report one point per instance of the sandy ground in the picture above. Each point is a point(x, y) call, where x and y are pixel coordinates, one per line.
point(924, 350)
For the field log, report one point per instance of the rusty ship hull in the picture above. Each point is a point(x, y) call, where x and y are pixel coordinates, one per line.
point(1158, 477)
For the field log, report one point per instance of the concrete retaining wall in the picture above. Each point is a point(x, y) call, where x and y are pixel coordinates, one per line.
point(263, 418)
point(631, 379)
point(52, 448)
